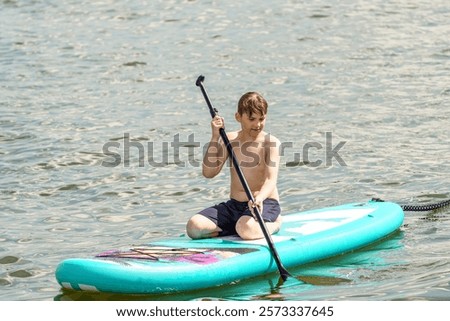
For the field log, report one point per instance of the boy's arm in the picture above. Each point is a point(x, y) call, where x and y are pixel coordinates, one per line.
point(216, 153)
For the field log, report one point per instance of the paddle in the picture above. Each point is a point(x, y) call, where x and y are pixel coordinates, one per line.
point(283, 272)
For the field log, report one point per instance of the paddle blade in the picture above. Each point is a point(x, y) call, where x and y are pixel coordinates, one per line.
point(317, 280)
point(322, 280)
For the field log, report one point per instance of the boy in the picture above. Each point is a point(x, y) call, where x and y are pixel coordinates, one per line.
point(258, 155)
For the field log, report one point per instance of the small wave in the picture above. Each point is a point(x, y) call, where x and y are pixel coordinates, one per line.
point(21, 274)
point(8, 259)
point(134, 64)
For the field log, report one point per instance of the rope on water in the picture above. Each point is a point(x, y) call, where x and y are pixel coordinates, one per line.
point(420, 208)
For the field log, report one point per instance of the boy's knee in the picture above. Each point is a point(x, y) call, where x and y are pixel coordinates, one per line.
point(199, 227)
point(248, 228)
point(192, 228)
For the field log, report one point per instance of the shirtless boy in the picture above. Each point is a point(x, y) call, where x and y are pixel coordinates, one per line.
point(258, 155)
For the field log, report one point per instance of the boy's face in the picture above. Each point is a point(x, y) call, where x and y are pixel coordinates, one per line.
point(253, 124)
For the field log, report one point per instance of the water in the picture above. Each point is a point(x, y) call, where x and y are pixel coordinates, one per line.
point(76, 76)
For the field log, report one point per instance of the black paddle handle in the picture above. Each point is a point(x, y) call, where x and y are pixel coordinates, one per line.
point(283, 272)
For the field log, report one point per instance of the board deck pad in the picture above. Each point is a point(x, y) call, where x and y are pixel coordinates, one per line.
point(181, 264)
point(171, 254)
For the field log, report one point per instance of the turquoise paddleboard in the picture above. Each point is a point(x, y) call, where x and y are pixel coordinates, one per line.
point(182, 264)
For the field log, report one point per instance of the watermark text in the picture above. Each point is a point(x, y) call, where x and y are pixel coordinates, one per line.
point(190, 152)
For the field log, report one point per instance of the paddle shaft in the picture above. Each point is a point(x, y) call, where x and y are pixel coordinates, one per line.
point(283, 272)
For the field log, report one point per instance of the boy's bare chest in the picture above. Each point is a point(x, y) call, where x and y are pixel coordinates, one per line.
point(250, 154)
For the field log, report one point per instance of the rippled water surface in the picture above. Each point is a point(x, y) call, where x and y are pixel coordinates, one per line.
point(81, 78)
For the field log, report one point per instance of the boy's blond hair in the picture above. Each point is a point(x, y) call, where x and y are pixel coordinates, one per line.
point(252, 102)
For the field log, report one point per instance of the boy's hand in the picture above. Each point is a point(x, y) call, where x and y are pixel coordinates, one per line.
point(258, 203)
point(216, 124)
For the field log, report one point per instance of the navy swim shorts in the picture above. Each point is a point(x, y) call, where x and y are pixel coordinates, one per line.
point(226, 214)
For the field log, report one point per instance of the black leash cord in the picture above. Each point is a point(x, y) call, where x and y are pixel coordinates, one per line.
point(420, 208)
